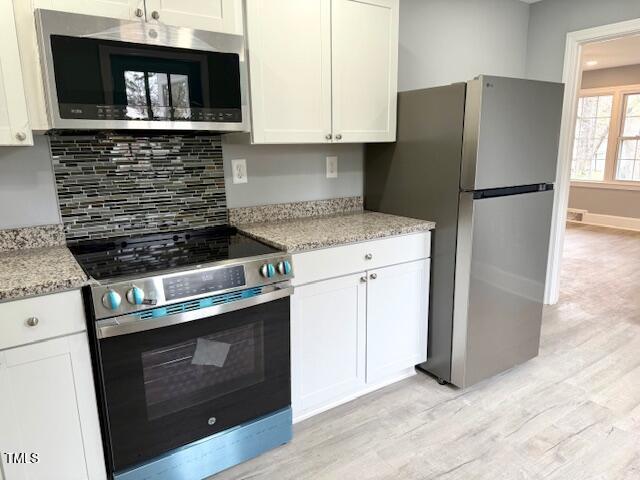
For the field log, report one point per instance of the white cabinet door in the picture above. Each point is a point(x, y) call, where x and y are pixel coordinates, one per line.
point(212, 15)
point(48, 408)
point(14, 119)
point(100, 8)
point(397, 312)
point(327, 343)
point(290, 67)
point(365, 70)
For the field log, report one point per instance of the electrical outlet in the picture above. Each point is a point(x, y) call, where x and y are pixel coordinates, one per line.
point(332, 167)
point(239, 168)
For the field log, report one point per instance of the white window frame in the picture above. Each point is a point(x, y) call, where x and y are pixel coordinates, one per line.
point(615, 138)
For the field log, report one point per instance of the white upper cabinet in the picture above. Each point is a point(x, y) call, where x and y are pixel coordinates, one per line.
point(14, 118)
point(290, 66)
point(323, 70)
point(365, 69)
point(213, 15)
point(101, 8)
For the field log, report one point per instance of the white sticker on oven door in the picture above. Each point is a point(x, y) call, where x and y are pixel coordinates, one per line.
point(210, 352)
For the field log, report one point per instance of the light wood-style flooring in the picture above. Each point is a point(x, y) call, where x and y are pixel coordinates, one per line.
point(571, 413)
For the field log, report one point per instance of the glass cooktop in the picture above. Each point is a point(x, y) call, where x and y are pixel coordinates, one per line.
point(152, 254)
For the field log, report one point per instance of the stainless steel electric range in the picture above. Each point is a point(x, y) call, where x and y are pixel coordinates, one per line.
point(190, 341)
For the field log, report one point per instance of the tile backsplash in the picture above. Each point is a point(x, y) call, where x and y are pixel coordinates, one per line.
point(111, 184)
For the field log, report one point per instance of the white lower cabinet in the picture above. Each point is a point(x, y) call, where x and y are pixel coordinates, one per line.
point(49, 427)
point(327, 342)
point(357, 332)
point(397, 305)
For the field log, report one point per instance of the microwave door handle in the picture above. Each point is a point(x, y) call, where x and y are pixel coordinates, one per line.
point(113, 327)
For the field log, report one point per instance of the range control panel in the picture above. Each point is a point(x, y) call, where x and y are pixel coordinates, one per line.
point(133, 295)
point(200, 283)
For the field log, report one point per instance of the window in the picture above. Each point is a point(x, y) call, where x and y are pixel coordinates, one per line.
point(628, 165)
point(592, 137)
point(606, 146)
point(159, 95)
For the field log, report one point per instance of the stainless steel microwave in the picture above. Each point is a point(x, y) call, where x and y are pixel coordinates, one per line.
point(107, 73)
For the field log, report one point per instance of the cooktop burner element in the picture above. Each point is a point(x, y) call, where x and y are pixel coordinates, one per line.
point(146, 255)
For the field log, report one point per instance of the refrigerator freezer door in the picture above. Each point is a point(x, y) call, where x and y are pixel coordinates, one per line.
point(503, 244)
point(511, 132)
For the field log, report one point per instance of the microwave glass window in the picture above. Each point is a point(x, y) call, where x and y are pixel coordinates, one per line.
point(125, 81)
point(136, 95)
point(199, 370)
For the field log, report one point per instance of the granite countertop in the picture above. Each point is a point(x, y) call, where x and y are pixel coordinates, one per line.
point(47, 267)
point(301, 234)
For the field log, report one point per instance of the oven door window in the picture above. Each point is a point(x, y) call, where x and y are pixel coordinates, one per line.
point(109, 80)
point(194, 379)
point(203, 369)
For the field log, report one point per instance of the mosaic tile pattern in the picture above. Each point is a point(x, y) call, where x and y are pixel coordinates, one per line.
point(31, 237)
point(112, 184)
point(283, 211)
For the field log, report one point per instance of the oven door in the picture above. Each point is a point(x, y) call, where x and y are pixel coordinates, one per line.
point(167, 387)
point(106, 73)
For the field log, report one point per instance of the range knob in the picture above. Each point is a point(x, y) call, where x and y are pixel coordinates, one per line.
point(135, 296)
point(267, 270)
point(111, 300)
point(284, 267)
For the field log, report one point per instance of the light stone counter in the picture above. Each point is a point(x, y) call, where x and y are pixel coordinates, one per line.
point(302, 234)
point(35, 261)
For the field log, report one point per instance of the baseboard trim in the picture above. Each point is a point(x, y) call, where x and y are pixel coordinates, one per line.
point(402, 375)
point(608, 221)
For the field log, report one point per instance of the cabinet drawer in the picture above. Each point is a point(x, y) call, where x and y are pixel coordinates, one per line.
point(57, 314)
point(336, 261)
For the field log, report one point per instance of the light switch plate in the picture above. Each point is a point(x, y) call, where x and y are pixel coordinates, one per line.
point(239, 168)
point(332, 167)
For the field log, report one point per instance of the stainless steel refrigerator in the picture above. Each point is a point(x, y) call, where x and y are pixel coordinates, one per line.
point(479, 158)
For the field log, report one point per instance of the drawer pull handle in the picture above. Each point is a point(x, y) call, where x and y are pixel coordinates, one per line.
point(32, 321)
point(363, 279)
point(368, 256)
point(373, 276)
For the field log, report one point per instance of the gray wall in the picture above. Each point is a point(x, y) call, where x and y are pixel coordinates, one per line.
point(621, 203)
point(551, 20)
point(27, 188)
point(292, 173)
point(446, 41)
point(610, 77)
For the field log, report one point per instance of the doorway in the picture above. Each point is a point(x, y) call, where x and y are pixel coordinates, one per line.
point(574, 67)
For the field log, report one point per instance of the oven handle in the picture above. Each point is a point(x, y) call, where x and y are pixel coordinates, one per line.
point(113, 327)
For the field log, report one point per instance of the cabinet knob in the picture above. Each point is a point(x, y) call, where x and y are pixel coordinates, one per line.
point(21, 136)
point(32, 321)
point(155, 15)
point(373, 276)
point(138, 12)
point(338, 137)
point(363, 279)
point(328, 136)
point(368, 256)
